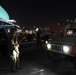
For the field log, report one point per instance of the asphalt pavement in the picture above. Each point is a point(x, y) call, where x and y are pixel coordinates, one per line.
point(27, 62)
point(34, 62)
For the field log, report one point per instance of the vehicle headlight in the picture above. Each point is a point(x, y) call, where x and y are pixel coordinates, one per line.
point(46, 42)
point(48, 46)
point(66, 49)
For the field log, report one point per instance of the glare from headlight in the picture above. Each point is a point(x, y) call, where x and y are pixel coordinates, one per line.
point(66, 49)
point(48, 46)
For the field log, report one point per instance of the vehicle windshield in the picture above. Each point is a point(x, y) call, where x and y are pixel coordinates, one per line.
point(71, 31)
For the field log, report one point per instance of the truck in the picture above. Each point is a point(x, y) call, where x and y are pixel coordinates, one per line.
point(3, 42)
point(4, 34)
point(64, 47)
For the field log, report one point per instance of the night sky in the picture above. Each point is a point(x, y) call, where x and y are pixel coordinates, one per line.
point(31, 13)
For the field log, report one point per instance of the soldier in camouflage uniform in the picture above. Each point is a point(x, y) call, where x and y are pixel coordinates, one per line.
point(14, 50)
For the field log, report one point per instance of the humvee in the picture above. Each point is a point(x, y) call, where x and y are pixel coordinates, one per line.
point(3, 42)
point(63, 48)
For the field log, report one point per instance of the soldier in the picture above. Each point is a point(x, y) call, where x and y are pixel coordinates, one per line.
point(14, 50)
point(39, 39)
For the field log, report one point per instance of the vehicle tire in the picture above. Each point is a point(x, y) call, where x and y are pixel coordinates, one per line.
point(73, 60)
point(75, 65)
point(54, 57)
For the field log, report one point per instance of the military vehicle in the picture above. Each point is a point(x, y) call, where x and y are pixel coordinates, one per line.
point(63, 48)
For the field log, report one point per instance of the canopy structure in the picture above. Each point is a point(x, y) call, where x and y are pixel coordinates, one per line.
point(3, 14)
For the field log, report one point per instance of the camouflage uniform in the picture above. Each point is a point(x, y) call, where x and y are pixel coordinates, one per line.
point(14, 51)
